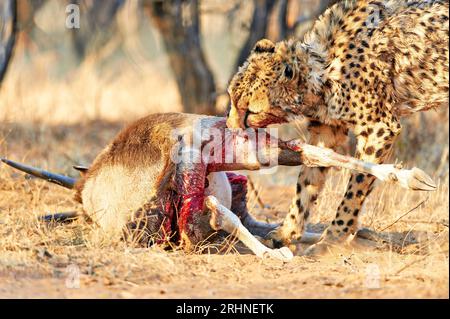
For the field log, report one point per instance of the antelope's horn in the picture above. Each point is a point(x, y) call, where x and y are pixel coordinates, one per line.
point(82, 169)
point(61, 180)
point(59, 217)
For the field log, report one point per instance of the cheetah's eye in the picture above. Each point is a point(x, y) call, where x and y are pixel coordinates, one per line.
point(288, 73)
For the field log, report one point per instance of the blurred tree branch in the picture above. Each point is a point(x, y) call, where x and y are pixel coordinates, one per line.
point(258, 27)
point(179, 24)
point(283, 28)
point(262, 12)
point(8, 19)
point(26, 10)
point(97, 25)
point(323, 5)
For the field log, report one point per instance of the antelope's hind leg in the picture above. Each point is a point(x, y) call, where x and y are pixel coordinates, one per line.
point(238, 185)
point(224, 219)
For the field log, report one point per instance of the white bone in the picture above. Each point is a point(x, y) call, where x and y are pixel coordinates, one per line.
point(414, 178)
point(223, 219)
point(219, 187)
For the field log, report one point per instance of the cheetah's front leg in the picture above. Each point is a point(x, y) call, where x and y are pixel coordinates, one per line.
point(309, 185)
point(374, 145)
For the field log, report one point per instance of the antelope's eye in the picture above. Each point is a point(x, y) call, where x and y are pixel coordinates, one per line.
point(288, 73)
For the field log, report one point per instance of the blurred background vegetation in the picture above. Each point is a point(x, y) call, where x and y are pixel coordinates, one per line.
point(130, 58)
point(184, 52)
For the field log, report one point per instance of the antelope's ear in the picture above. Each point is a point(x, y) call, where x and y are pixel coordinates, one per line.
point(264, 46)
point(82, 169)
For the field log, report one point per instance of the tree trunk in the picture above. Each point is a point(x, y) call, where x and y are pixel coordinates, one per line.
point(7, 33)
point(325, 4)
point(287, 31)
point(283, 28)
point(258, 28)
point(179, 24)
point(96, 27)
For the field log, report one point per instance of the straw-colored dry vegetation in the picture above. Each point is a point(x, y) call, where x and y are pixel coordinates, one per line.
point(54, 122)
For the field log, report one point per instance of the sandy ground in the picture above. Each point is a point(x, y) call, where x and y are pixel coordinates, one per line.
point(233, 276)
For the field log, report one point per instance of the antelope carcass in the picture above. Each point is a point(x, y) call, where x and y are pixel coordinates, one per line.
point(163, 177)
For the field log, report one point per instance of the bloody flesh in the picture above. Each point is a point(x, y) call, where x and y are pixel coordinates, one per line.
point(239, 150)
point(219, 149)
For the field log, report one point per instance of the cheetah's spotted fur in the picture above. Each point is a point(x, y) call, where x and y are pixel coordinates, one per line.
point(362, 66)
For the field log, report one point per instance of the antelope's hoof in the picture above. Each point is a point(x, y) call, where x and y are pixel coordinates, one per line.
point(419, 180)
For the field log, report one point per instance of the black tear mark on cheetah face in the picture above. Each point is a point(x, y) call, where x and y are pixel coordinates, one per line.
point(269, 86)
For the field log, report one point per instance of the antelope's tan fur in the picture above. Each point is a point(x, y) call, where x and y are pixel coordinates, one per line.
point(128, 173)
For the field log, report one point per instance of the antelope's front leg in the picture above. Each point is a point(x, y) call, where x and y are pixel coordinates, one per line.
point(223, 219)
point(375, 147)
point(190, 184)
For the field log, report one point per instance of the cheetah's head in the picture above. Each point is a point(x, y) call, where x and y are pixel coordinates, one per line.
point(271, 86)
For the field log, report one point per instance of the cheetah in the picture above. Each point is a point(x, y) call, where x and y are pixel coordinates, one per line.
point(361, 67)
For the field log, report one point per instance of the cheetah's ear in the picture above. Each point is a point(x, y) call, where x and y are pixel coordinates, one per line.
point(264, 46)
